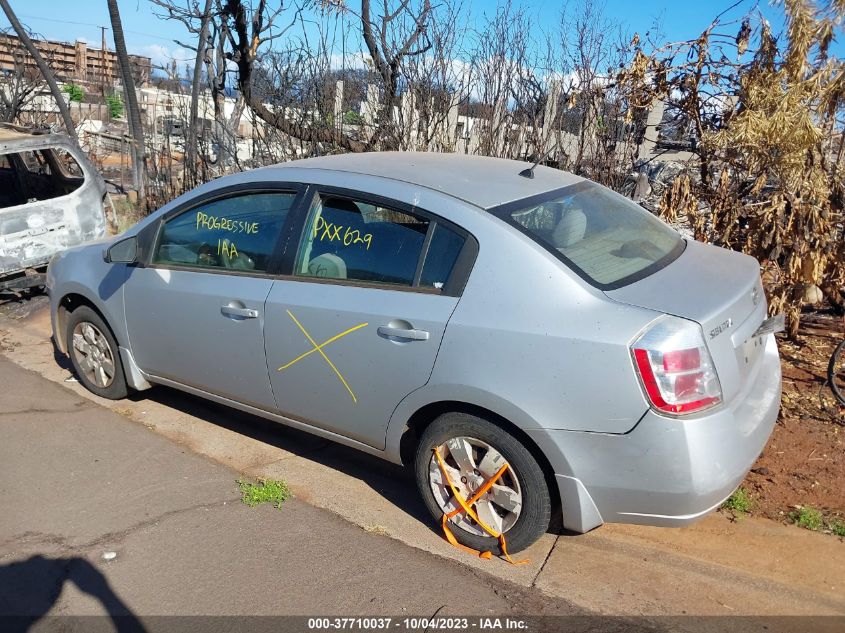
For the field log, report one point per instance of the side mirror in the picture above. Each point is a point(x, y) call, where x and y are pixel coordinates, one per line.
point(123, 252)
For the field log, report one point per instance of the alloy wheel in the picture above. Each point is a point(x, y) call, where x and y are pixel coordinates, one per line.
point(470, 462)
point(93, 354)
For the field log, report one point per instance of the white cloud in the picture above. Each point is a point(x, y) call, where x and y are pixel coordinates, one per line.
point(351, 61)
point(163, 56)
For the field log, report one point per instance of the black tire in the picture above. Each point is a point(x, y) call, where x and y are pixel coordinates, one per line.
point(534, 517)
point(836, 373)
point(117, 388)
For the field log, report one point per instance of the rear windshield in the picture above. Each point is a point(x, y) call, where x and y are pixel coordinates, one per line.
point(33, 175)
point(607, 239)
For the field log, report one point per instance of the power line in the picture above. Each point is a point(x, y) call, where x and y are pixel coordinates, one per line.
point(97, 26)
point(36, 17)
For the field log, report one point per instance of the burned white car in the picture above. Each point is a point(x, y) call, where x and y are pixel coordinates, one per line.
point(51, 198)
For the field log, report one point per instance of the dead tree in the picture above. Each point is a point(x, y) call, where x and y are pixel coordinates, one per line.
point(396, 33)
point(199, 23)
point(766, 113)
point(191, 140)
point(42, 66)
point(248, 31)
point(391, 36)
point(133, 111)
point(437, 81)
point(19, 87)
point(494, 74)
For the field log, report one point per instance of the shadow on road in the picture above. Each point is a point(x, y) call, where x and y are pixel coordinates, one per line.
point(393, 482)
point(31, 588)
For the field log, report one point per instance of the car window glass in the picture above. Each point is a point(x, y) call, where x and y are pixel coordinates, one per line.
point(442, 254)
point(237, 233)
point(348, 239)
point(607, 237)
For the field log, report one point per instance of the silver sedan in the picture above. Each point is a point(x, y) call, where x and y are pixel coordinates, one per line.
point(525, 340)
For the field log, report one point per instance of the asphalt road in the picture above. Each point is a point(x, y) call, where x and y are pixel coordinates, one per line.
point(78, 482)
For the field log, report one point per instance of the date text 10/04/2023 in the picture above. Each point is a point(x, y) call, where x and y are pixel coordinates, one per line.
point(418, 623)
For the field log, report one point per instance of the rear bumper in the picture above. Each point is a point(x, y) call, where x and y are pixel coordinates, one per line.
point(665, 471)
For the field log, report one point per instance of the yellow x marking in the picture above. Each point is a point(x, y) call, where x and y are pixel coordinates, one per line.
point(319, 350)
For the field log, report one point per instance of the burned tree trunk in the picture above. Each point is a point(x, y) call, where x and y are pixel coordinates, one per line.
point(196, 80)
point(133, 111)
point(42, 66)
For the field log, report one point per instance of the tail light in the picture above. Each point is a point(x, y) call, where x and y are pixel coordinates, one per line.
point(675, 367)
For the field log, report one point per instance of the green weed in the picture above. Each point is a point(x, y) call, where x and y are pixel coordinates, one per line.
point(807, 518)
point(265, 491)
point(739, 502)
point(837, 526)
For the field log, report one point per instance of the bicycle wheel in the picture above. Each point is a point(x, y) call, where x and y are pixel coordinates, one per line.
point(836, 373)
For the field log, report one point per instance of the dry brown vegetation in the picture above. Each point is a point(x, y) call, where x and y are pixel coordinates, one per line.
point(769, 180)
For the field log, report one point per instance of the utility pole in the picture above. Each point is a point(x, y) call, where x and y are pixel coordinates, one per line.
point(105, 57)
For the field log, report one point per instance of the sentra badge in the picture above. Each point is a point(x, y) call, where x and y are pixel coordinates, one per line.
point(720, 328)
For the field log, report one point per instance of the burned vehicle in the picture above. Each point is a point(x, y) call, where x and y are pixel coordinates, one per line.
point(51, 198)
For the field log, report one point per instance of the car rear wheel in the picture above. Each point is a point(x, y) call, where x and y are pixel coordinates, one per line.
point(94, 354)
point(473, 450)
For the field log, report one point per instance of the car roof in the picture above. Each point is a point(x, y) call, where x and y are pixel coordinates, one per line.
point(482, 181)
point(13, 137)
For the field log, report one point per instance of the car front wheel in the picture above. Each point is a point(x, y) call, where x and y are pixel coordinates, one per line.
point(473, 450)
point(94, 354)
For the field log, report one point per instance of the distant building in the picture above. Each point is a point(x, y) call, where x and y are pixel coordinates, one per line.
point(73, 62)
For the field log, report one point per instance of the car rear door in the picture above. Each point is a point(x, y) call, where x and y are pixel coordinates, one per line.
point(357, 324)
point(195, 311)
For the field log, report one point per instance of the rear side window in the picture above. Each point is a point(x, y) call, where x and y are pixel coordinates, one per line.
point(442, 254)
point(34, 175)
point(604, 237)
point(237, 233)
point(355, 240)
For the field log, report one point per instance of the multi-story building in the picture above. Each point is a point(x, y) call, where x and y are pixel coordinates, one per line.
point(76, 63)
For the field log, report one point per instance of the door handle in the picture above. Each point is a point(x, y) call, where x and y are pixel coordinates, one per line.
point(411, 335)
point(244, 313)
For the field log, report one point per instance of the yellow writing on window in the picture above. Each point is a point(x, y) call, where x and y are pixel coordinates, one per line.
point(338, 233)
point(227, 248)
point(214, 222)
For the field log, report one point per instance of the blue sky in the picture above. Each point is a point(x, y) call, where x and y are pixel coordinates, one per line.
point(69, 20)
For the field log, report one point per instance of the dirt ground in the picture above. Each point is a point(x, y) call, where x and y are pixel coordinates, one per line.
point(803, 464)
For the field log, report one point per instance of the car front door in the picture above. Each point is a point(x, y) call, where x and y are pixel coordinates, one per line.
point(358, 324)
point(195, 312)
